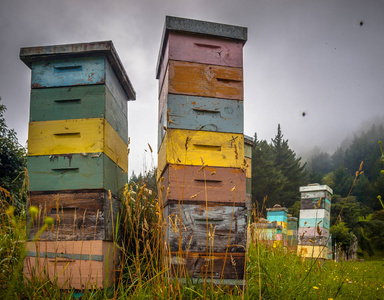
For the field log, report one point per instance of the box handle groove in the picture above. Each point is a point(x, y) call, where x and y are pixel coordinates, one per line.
point(227, 80)
point(210, 220)
point(207, 45)
point(207, 147)
point(68, 101)
point(68, 68)
point(206, 110)
point(67, 134)
point(65, 169)
point(208, 180)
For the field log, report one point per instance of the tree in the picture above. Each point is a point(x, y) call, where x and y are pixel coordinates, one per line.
point(12, 159)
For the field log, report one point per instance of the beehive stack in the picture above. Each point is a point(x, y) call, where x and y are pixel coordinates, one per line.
point(77, 160)
point(314, 220)
point(278, 215)
point(201, 163)
point(292, 233)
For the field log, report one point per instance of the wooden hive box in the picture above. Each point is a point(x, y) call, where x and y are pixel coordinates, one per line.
point(77, 214)
point(320, 252)
point(200, 113)
point(77, 136)
point(190, 147)
point(218, 268)
point(201, 42)
point(313, 231)
point(79, 265)
point(190, 225)
point(80, 102)
point(75, 171)
point(194, 185)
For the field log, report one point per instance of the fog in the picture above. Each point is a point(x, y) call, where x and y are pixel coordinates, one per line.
point(323, 58)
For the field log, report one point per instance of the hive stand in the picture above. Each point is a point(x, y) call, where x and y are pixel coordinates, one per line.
point(77, 160)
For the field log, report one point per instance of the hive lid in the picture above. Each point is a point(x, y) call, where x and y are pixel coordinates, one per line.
point(205, 28)
point(32, 54)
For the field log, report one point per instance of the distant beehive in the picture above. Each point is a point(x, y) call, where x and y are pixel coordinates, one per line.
point(292, 237)
point(77, 159)
point(278, 215)
point(201, 163)
point(314, 220)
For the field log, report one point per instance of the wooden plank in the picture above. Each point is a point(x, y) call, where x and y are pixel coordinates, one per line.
point(313, 241)
point(188, 147)
point(319, 202)
point(312, 231)
point(77, 136)
point(248, 151)
point(314, 222)
point(81, 102)
point(190, 184)
point(316, 194)
point(201, 49)
point(204, 80)
point(315, 214)
point(73, 264)
point(200, 113)
point(214, 266)
point(68, 72)
point(75, 171)
point(77, 215)
point(248, 166)
point(189, 227)
point(313, 251)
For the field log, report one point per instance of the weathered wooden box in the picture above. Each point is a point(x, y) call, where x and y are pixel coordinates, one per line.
point(316, 203)
point(202, 80)
point(320, 252)
point(94, 135)
point(193, 185)
point(219, 268)
point(314, 222)
point(313, 241)
point(190, 147)
point(199, 228)
point(77, 214)
point(201, 49)
point(199, 113)
point(75, 171)
point(313, 231)
point(79, 265)
point(80, 102)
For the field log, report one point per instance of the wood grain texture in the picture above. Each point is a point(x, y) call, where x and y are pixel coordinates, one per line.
point(312, 231)
point(74, 264)
point(314, 222)
point(316, 194)
point(81, 102)
point(210, 266)
point(204, 80)
point(68, 72)
point(201, 113)
point(75, 171)
point(248, 151)
point(320, 252)
point(189, 227)
point(77, 136)
point(188, 147)
point(191, 184)
point(201, 49)
point(77, 215)
point(248, 167)
point(313, 241)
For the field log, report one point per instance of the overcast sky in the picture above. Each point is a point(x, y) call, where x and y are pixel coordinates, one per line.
point(324, 58)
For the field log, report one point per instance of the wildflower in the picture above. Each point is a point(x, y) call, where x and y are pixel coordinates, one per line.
point(315, 287)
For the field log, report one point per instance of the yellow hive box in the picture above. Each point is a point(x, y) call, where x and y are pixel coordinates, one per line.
point(93, 135)
point(191, 147)
point(313, 251)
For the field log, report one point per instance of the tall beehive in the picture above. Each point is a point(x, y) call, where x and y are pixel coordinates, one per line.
point(201, 162)
point(77, 159)
point(314, 220)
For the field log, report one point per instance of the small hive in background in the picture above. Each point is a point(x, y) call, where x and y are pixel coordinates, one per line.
point(292, 225)
point(201, 162)
point(278, 215)
point(314, 221)
point(77, 160)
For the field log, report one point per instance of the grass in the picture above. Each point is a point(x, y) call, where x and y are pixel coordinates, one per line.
point(272, 272)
